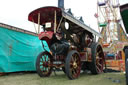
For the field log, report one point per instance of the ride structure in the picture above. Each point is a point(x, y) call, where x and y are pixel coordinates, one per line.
point(114, 37)
point(108, 21)
point(72, 44)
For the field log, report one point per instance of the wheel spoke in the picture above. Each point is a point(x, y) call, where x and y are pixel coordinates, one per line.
point(41, 63)
point(72, 58)
point(99, 52)
point(41, 60)
point(99, 70)
point(98, 59)
point(45, 58)
point(74, 72)
point(77, 60)
point(71, 70)
point(78, 63)
point(76, 57)
point(99, 64)
point(71, 64)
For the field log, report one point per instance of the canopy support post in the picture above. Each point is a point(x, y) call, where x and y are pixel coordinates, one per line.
point(55, 22)
point(38, 22)
point(34, 25)
point(59, 23)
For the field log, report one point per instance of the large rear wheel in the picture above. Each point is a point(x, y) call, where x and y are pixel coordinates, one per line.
point(44, 64)
point(73, 65)
point(97, 64)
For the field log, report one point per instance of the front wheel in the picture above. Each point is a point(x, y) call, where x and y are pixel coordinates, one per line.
point(44, 64)
point(73, 65)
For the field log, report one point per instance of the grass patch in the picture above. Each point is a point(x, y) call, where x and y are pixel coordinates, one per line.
point(61, 79)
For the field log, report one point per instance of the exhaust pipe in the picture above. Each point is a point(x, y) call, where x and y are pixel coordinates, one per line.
point(61, 4)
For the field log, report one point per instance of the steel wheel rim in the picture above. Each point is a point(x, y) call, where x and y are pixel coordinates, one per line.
point(75, 65)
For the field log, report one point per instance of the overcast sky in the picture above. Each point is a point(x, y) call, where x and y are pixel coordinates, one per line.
point(15, 12)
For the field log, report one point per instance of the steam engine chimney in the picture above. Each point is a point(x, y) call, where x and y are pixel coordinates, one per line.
point(61, 4)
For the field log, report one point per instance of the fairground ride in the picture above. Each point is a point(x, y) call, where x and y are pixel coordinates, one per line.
point(114, 37)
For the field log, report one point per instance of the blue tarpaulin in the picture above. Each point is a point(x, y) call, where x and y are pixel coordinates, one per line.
point(18, 51)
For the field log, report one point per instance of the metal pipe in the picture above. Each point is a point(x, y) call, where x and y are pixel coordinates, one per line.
point(61, 4)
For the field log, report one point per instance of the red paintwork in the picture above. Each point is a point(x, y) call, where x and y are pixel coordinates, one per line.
point(46, 36)
point(85, 56)
point(46, 14)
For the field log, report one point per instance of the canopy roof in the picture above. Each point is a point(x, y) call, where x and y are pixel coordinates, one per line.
point(46, 14)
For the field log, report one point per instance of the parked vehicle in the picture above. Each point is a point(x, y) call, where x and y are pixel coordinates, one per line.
point(72, 44)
